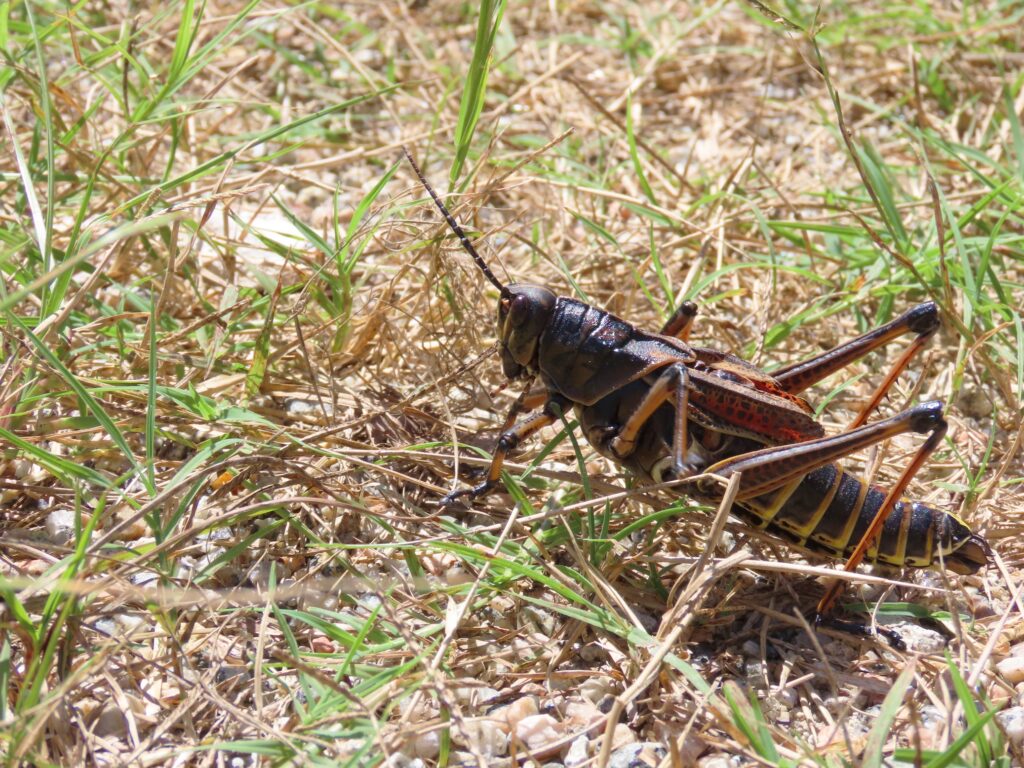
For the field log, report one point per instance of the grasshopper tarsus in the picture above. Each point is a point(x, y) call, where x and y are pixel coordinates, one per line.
point(456, 497)
point(860, 629)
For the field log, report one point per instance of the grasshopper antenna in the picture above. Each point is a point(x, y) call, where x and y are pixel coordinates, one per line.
point(454, 225)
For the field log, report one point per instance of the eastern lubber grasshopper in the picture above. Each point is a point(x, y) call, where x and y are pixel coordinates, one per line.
point(668, 410)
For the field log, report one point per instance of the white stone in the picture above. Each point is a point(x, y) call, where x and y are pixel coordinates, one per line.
point(517, 710)
point(637, 756)
point(1012, 722)
point(485, 736)
point(540, 735)
point(578, 753)
point(594, 689)
point(622, 735)
point(426, 745)
point(1011, 669)
point(788, 697)
point(60, 526)
point(920, 639)
point(582, 715)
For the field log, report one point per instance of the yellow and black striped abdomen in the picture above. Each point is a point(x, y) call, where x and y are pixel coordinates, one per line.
point(828, 511)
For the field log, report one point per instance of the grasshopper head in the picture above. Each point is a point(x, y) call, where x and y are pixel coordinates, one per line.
point(523, 313)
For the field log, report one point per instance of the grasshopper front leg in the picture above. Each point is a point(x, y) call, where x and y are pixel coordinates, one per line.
point(512, 435)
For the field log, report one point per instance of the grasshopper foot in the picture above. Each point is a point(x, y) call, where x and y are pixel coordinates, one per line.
point(861, 629)
point(472, 493)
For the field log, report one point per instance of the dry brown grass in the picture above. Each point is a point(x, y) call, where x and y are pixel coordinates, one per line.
point(286, 586)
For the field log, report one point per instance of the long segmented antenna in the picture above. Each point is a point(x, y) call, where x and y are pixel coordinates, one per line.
point(454, 225)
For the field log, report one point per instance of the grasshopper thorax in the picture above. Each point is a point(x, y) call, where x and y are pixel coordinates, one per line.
point(524, 311)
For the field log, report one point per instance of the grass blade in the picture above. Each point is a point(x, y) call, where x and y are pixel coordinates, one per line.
point(475, 91)
point(880, 731)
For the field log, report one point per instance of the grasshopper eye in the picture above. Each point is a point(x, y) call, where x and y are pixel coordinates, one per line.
point(520, 310)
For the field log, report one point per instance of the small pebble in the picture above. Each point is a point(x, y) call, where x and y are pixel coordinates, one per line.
point(475, 696)
point(788, 697)
point(1012, 669)
point(578, 752)
point(221, 574)
point(561, 684)
point(516, 711)
point(669, 76)
point(540, 619)
point(539, 735)
point(227, 672)
point(692, 748)
point(144, 578)
point(111, 721)
point(606, 704)
point(458, 575)
point(650, 623)
point(21, 468)
point(594, 689)
point(60, 526)
point(259, 574)
point(920, 639)
point(425, 709)
point(622, 736)
point(463, 759)
point(837, 703)
point(368, 601)
point(751, 649)
point(582, 715)
point(370, 57)
point(975, 403)
point(755, 672)
point(215, 537)
point(426, 745)
point(88, 707)
point(320, 643)
point(727, 542)
point(593, 652)
point(398, 760)
point(855, 726)
point(106, 626)
point(720, 760)
point(642, 755)
point(485, 736)
point(186, 567)
point(981, 607)
point(294, 407)
point(1012, 722)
